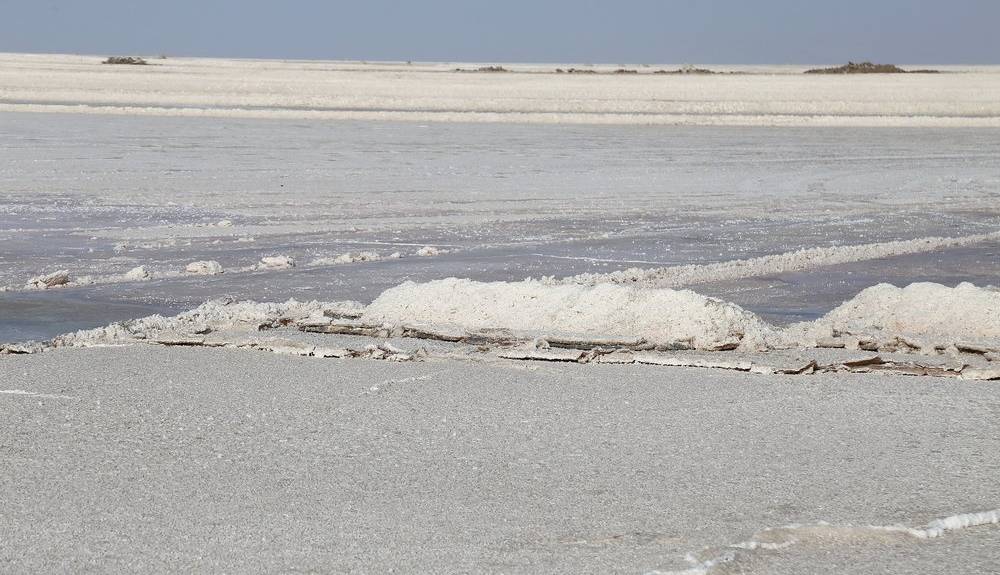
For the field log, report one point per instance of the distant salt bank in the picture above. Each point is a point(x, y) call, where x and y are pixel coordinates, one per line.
point(653, 94)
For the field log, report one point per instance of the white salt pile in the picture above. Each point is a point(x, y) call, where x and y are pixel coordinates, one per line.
point(204, 268)
point(51, 280)
point(925, 317)
point(660, 316)
point(927, 312)
point(137, 274)
point(350, 258)
point(428, 251)
point(276, 263)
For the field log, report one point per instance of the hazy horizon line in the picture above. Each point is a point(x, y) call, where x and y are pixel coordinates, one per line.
point(168, 55)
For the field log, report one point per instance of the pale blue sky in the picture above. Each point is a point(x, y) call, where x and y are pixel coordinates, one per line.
point(633, 31)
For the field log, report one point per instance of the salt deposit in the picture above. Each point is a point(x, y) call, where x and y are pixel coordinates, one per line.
point(798, 260)
point(137, 274)
point(212, 316)
point(50, 280)
point(923, 317)
point(204, 268)
point(427, 251)
point(276, 263)
point(346, 258)
point(929, 314)
point(352, 257)
point(883, 317)
point(660, 316)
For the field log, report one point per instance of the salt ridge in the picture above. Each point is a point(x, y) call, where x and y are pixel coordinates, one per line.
point(940, 319)
point(800, 260)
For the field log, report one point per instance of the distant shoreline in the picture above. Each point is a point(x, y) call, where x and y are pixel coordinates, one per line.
point(500, 93)
point(513, 66)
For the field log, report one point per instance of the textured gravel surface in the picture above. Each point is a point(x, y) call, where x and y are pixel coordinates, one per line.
point(151, 459)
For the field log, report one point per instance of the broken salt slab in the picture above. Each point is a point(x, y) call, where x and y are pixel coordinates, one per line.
point(46, 281)
point(660, 316)
point(204, 268)
point(212, 316)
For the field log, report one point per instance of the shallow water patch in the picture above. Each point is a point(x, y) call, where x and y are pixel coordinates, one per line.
point(43, 315)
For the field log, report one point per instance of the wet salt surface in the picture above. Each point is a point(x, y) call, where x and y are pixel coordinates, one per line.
point(804, 296)
point(99, 195)
point(40, 316)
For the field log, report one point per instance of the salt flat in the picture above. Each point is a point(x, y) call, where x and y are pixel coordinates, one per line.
point(965, 96)
point(162, 459)
point(124, 189)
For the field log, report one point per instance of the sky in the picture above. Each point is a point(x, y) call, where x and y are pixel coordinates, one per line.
point(571, 31)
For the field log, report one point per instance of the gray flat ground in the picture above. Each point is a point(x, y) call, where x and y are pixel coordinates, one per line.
point(151, 459)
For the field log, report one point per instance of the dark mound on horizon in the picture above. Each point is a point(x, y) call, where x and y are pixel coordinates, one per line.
point(680, 71)
point(484, 69)
point(126, 60)
point(688, 70)
point(868, 68)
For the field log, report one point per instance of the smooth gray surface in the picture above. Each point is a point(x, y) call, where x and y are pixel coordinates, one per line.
point(151, 459)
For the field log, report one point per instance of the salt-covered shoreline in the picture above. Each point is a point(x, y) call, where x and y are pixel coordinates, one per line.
point(956, 329)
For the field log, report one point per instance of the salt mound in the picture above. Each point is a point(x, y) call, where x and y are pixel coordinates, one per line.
point(276, 263)
point(928, 311)
point(350, 258)
point(211, 316)
point(204, 268)
point(138, 273)
point(429, 251)
point(46, 281)
point(660, 316)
